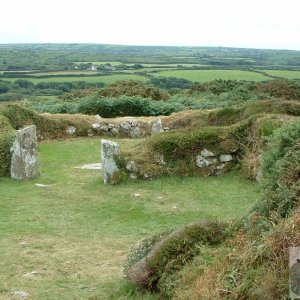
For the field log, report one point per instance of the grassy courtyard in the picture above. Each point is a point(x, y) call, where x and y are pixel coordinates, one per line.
point(68, 239)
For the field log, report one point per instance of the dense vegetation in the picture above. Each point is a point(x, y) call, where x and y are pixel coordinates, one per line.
point(136, 99)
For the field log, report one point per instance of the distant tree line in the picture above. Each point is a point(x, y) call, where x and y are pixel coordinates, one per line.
point(20, 88)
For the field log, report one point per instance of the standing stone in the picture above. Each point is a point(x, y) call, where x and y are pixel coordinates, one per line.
point(294, 264)
point(157, 126)
point(109, 152)
point(24, 154)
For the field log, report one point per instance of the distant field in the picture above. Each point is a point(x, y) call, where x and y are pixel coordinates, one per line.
point(208, 75)
point(173, 65)
point(70, 72)
point(106, 79)
point(284, 73)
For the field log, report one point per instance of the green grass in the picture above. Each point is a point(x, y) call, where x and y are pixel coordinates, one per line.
point(107, 79)
point(209, 75)
point(66, 73)
point(75, 232)
point(284, 73)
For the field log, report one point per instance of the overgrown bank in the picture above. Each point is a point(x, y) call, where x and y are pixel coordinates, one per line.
point(252, 260)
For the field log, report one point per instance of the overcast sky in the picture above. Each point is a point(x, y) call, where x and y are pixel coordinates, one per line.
point(237, 23)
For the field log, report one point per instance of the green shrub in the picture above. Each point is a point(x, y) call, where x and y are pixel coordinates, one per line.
point(132, 88)
point(280, 172)
point(280, 144)
point(171, 82)
point(6, 139)
point(280, 88)
point(127, 106)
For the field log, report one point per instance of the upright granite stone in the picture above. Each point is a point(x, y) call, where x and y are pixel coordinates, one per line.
point(109, 152)
point(24, 154)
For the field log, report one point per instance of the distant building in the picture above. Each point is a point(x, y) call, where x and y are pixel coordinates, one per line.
point(93, 68)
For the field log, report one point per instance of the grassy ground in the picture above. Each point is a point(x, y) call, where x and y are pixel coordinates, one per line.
point(66, 73)
point(73, 233)
point(284, 73)
point(106, 79)
point(208, 75)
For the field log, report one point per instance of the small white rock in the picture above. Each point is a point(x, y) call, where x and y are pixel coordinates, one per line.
point(132, 166)
point(95, 166)
point(207, 153)
point(226, 157)
point(133, 176)
point(20, 295)
point(31, 274)
point(203, 162)
point(71, 129)
point(221, 166)
point(96, 126)
point(136, 195)
point(41, 185)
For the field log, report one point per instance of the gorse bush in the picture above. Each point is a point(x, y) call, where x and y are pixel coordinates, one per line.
point(131, 88)
point(219, 86)
point(127, 106)
point(281, 172)
point(280, 144)
point(171, 82)
point(280, 88)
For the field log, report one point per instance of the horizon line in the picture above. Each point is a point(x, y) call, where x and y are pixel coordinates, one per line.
point(143, 45)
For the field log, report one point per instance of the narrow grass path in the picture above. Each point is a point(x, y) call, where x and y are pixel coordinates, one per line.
point(68, 239)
